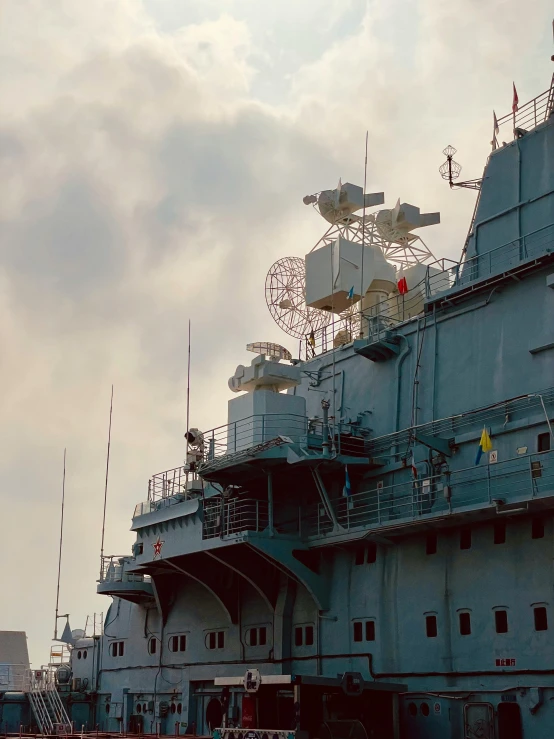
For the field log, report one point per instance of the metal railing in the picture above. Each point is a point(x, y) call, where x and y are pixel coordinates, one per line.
point(113, 570)
point(529, 115)
point(378, 321)
point(227, 517)
point(516, 479)
point(46, 703)
point(168, 484)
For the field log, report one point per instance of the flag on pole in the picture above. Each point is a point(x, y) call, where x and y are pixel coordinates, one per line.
point(515, 100)
point(485, 445)
point(414, 468)
point(347, 490)
point(402, 286)
point(312, 338)
point(351, 293)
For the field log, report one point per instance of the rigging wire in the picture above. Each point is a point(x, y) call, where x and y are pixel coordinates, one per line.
point(60, 552)
point(106, 486)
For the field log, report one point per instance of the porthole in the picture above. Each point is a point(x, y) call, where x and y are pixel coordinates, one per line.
point(139, 708)
point(412, 709)
point(107, 707)
point(179, 708)
point(79, 655)
point(424, 708)
point(173, 708)
point(144, 707)
point(85, 654)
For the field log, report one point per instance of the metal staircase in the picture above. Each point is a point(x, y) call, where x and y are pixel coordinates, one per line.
point(46, 704)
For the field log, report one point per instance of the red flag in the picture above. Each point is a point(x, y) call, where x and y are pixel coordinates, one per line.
point(515, 101)
point(402, 286)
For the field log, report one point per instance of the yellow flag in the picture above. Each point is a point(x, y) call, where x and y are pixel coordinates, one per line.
point(486, 443)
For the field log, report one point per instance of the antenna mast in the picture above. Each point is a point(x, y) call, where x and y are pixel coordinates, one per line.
point(106, 486)
point(60, 552)
point(188, 415)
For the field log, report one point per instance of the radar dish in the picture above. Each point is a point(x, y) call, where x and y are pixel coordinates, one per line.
point(273, 351)
point(285, 294)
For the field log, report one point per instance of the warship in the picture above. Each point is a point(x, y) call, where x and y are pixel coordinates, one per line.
point(364, 550)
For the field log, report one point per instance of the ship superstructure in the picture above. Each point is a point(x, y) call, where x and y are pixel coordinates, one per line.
point(365, 548)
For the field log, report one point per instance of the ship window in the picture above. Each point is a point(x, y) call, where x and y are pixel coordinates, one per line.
point(541, 619)
point(412, 709)
point(79, 654)
point(257, 636)
point(152, 645)
point(431, 625)
point(465, 538)
point(366, 555)
point(85, 654)
point(424, 708)
point(304, 636)
point(501, 621)
point(173, 708)
point(370, 630)
point(262, 636)
point(177, 643)
point(117, 648)
point(465, 624)
point(537, 528)
point(215, 639)
point(543, 442)
point(358, 631)
point(139, 708)
point(179, 708)
point(431, 544)
point(500, 532)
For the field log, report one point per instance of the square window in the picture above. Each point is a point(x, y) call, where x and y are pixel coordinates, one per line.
point(357, 631)
point(298, 641)
point(465, 538)
point(174, 643)
point(182, 643)
point(537, 528)
point(465, 624)
point(211, 640)
point(220, 639)
point(309, 636)
point(431, 544)
point(371, 553)
point(262, 640)
point(121, 648)
point(431, 626)
point(500, 532)
point(253, 637)
point(370, 630)
point(114, 649)
point(501, 621)
point(541, 619)
point(543, 442)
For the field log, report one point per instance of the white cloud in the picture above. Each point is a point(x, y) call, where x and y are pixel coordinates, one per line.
point(155, 163)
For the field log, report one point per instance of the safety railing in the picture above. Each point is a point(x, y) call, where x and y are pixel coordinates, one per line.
point(113, 570)
point(248, 433)
point(226, 517)
point(515, 480)
point(45, 701)
point(529, 115)
point(168, 484)
point(377, 321)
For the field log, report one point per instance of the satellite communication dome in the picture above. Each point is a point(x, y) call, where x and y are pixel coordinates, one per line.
point(285, 293)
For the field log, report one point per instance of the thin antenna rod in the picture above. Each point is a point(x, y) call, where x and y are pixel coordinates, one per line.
point(106, 486)
point(363, 237)
point(60, 552)
point(188, 413)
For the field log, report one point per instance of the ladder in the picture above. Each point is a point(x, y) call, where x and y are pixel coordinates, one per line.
point(46, 704)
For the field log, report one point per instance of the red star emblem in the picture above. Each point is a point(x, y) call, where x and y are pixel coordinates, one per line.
point(158, 544)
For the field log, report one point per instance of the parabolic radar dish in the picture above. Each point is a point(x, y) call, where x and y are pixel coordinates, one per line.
point(285, 294)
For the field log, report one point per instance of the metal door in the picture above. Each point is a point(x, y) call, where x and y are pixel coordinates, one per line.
point(478, 721)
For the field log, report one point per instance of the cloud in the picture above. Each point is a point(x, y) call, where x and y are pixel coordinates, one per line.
point(155, 164)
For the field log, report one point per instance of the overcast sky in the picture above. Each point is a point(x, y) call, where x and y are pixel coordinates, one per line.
point(153, 159)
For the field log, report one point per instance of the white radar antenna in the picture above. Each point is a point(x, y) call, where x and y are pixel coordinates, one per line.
point(285, 294)
point(388, 229)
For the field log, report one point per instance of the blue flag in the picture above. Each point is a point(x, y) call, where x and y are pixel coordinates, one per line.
point(347, 490)
point(351, 293)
